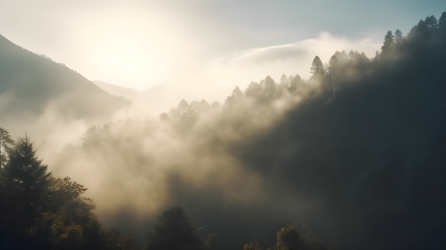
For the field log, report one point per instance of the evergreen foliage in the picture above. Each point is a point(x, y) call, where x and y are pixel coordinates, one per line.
point(39, 211)
point(174, 232)
point(317, 69)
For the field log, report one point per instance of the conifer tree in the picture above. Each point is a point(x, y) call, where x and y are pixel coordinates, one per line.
point(24, 190)
point(236, 96)
point(317, 68)
point(270, 89)
point(174, 232)
point(442, 28)
point(253, 90)
point(26, 177)
point(294, 83)
point(388, 41)
point(398, 36)
point(333, 68)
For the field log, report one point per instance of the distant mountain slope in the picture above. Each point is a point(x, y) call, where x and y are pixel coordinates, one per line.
point(128, 93)
point(30, 83)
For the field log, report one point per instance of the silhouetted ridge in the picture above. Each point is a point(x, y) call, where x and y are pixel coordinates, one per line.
point(29, 83)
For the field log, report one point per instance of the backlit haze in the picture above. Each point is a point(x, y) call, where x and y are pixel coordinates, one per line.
point(214, 44)
point(343, 147)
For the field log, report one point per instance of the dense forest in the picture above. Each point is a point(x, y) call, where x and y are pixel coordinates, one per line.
point(356, 151)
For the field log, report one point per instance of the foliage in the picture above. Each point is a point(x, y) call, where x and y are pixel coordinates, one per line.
point(252, 246)
point(174, 232)
point(5, 146)
point(387, 112)
point(45, 212)
point(288, 238)
point(317, 69)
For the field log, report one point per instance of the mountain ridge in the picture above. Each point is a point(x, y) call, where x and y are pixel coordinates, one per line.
point(29, 83)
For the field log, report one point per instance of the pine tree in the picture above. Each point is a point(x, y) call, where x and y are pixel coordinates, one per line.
point(317, 68)
point(253, 90)
point(398, 36)
point(442, 28)
point(333, 68)
point(236, 96)
point(270, 89)
point(294, 83)
point(388, 41)
point(25, 189)
point(26, 178)
point(174, 232)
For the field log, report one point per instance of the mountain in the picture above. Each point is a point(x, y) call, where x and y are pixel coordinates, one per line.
point(158, 99)
point(128, 93)
point(31, 84)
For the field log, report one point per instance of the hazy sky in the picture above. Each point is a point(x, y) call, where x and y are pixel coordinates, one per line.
point(141, 44)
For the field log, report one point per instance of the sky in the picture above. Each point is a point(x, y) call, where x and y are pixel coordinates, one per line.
point(215, 44)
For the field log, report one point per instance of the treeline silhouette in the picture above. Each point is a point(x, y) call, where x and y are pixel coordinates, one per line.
point(39, 211)
point(360, 144)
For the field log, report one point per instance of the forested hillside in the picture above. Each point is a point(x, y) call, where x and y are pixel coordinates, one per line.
point(30, 84)
point(356, 151)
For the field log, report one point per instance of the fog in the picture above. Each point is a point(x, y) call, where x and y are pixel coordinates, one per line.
point(353, 148)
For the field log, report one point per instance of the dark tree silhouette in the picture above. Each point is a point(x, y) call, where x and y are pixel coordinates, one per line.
point(288, 238)
point(174, 232)
point(317, 68)
point(333, 68)
point(25, 189)
point(442, 28)
point(398, 36)
point(388, 41)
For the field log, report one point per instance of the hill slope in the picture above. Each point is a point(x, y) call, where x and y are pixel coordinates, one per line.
point(128, 93)
point(29, 83)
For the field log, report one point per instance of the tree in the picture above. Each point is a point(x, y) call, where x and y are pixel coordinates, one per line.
point(25, 188)
point(253, 90)
point(236, 96)
point(317, 68)
point(182, 111)
point(432, 23)
point(388, 41)
point(288, 238)
point(284, 84)
point(174, 232)
point(26, 176)
point(295, 82)
point(5, 146)
point(333, 68)
point(442, 28)
point(270, 88)
point(398, 36)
